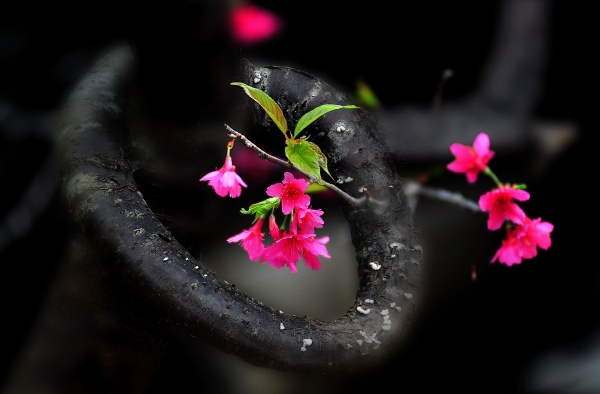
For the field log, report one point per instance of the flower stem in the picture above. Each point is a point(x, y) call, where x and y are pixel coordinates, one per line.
point(489, 173)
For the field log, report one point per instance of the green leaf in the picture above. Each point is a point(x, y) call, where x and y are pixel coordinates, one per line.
point(267, 103)
point(322, 157)
point(260, 209)
point(302, 155)
point(367, 96)
point(315, 188)
point(316, 113)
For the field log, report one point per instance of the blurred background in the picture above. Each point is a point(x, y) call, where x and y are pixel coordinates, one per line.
point(527, 328)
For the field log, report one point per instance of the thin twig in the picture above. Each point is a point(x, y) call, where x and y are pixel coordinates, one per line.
point(284, 163)
point(413, 188)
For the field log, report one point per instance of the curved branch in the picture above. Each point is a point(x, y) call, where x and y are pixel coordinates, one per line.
point(104, 200)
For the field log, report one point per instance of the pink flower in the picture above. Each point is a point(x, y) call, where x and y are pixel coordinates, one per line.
point(308, 219)
point(291, 191)
point(251, 240)
point(289, 248)
point(250, 24)
point(225, 180)
point(471, 160)
point(523, 240)
point(508, 252)
point(274, 229)
point(499, 203)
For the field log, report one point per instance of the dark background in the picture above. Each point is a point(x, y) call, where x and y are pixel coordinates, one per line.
point(488, 332)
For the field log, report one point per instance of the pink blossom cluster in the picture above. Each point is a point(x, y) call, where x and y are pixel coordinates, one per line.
point(299, 241)
point(523, 235)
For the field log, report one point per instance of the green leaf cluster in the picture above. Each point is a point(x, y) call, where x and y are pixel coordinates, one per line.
point(302, 154)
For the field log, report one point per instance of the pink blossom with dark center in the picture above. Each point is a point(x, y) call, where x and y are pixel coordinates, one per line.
point(291, 191)
point(289, 248)
point(499, 202)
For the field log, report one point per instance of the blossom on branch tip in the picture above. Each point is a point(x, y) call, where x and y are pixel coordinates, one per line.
point(523, 240)
point(225, 180)
point(291, 191)
point(251, 240)
point(471, 160)
point(499, 202)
